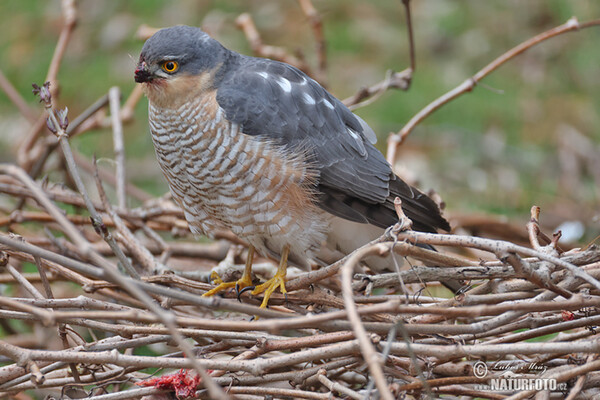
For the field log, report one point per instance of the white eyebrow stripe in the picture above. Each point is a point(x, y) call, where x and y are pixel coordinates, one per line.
point(170, 58)
point(263, 74)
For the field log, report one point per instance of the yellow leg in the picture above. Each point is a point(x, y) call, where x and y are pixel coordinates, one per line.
point(244, 281)
point(277, 281)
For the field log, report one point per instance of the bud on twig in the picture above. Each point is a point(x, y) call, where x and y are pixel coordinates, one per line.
point(43, 92)
point(50, 125)
point(63, 121)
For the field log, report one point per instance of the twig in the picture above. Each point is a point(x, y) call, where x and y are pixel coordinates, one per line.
point(317, 25)
point(393, 80)
point(129, 106)
point(25, 284)
point(427, 274)
point(114, 96)
point(371, 357)
point(70, 20)
point(279, 393)
point(44, 316)
point(336, 387)
point(17, 99)
point(246, 24)
point(411, 39)
point(46, 148)
point(309, 278)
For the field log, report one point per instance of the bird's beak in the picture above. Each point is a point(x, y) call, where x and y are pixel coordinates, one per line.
point(142, 74)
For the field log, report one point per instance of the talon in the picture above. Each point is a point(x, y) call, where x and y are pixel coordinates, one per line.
point(214, 277)
point(245, 289)
point(237, 291)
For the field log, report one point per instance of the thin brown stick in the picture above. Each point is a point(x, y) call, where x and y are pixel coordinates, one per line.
point(266, 391)
point(371, 357)
point(246, 24)
point(393, 80)
point(317, 25)
point(70, 20)
point(411, 38)
point(17, 99)
point(336, 387)
point(114, 96)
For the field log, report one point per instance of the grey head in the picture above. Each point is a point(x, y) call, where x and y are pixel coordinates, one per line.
point(178, 50)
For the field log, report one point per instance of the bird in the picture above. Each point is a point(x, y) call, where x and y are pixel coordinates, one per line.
point(258, 147)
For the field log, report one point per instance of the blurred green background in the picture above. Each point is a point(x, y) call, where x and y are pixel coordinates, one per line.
point(529, 134)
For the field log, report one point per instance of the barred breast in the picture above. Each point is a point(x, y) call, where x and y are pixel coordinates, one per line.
point(222, 178)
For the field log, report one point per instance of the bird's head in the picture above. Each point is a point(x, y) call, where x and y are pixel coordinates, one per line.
point(178, 62)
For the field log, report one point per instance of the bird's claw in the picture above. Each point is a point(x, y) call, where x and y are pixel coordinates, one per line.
point(278, 281)
point(245, 289)
point(215, 278)
point(244, 282)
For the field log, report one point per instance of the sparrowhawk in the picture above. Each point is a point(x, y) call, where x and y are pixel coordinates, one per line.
point(258, 147)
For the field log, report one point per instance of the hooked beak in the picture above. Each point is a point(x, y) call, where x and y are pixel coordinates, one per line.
point(142, 74)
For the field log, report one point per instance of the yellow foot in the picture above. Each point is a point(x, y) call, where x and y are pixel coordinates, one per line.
point(278, 281)
point(241, 283)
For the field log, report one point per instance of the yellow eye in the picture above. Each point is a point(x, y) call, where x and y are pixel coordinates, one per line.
point(170, 66)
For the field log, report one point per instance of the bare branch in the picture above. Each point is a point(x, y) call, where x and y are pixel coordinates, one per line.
point(246, 24)
point(114, 96)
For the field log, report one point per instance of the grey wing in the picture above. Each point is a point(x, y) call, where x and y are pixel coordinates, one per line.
point(275, 100)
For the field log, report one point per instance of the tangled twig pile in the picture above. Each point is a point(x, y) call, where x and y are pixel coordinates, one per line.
point(109, 297)
point(320, 343)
